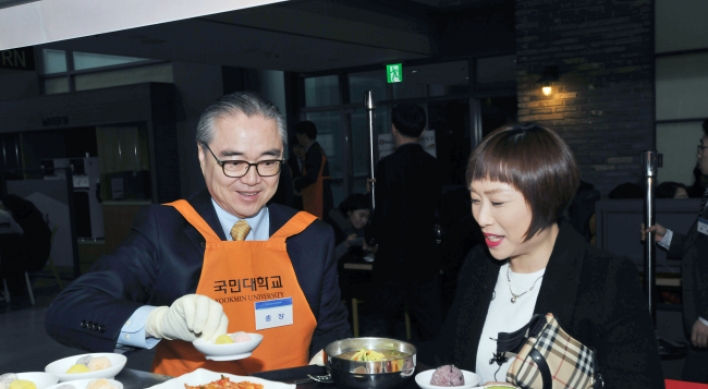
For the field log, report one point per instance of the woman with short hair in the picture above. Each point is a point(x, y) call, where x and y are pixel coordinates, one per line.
point(521, 179)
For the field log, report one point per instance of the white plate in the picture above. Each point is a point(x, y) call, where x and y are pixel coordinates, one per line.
point(228, 351)
point(60, 367)
point(204, 376)
point(82, 384)
point(423, 380)
point(41, 380)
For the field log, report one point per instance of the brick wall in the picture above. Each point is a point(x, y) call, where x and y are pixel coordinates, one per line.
point(603, 103)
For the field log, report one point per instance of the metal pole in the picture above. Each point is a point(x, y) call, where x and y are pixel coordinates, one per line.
point(649, 165)
point(369, 103)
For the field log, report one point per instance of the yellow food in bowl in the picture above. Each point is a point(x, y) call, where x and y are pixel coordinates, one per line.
point(22, 384)
point(78, 368)
point(223, 339)
point(365, 355)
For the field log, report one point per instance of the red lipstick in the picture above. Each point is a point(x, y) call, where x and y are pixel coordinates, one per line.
point(493, 243)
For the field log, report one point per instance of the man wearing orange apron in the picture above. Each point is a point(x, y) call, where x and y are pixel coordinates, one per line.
point(185, 272)
point(314, 183)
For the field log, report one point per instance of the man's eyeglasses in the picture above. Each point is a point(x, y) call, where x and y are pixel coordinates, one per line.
point(701, 147)
point(238, 169)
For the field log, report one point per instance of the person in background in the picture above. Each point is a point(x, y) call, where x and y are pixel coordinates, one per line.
point(295, 162)
point(285, 195)
point(671, 190)
point(349, 221)
point(695, 191)
point(692, 250)
point(521, 178)
point(460, 233)
point(194, 269)
point(407, 193)
point(314, 183)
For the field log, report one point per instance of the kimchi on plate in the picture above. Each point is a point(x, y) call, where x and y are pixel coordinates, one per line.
point(226, 383)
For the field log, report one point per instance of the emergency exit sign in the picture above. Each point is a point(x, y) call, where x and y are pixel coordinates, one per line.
point(394, 73)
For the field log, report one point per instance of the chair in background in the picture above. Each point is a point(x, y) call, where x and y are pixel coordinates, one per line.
point(28, 283)
point(51, 261)
point(6, 291)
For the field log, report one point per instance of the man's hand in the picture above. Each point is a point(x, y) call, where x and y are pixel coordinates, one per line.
point(699, 334)
point(658, 229)
point(190, 317)
point(369, 183)
point(349, 239)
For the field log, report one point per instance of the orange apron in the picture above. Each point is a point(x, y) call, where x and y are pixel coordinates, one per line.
point(238, 274)
point(313, 195)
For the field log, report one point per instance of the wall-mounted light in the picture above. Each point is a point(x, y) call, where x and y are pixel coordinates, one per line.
point(550, 74)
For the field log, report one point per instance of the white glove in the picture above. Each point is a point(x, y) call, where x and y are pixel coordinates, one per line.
point(190, 317)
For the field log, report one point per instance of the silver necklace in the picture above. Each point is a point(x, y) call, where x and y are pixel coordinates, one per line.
point(514, 296)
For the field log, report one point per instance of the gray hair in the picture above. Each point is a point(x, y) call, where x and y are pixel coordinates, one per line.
point(246, 103)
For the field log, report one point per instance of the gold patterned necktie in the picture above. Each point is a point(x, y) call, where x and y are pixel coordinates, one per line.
point(240, 230)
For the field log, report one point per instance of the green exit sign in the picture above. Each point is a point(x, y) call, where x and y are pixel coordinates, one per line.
point(394, 73)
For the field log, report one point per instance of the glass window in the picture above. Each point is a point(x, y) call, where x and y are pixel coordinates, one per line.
point(677, 143)
point(682, 87)
point(320, 91)
point(84, 61)
point(56, 85)
point(54, 61)
point(375, 81)
point(152, 73)
point(680, 25)
point(496, 72)
point(432, 80)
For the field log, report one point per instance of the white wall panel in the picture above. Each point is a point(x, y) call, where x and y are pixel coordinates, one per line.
point(47, 21)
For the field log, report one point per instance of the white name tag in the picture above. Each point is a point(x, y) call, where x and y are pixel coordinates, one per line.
point(274, 313)
point(702, 226)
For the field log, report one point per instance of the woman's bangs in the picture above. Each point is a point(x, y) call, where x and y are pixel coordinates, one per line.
point(497, 162)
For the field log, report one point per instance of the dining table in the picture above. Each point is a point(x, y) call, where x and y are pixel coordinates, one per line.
point(138, 379)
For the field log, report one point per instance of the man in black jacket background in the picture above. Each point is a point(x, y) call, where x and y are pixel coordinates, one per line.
point(408, 189)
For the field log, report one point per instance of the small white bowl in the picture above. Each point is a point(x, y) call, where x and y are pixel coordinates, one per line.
point(423, 380)
point(228, 351)
point(83, 383)
point(60, 367)
point(41, 380)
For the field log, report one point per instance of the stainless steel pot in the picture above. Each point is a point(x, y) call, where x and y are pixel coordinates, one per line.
point(370, 375)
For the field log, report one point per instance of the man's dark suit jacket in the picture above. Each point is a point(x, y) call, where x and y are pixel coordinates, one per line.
point(161, 260)
point(692, 249)
point(595, 296)
point(407, 192)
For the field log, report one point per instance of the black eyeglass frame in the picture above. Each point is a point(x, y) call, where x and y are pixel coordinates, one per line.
point(223, 168)
point(701, 147)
